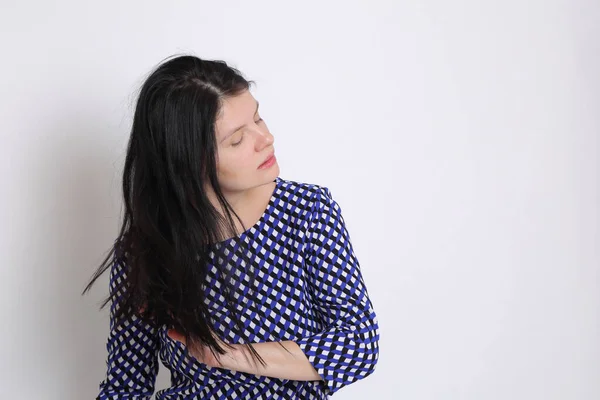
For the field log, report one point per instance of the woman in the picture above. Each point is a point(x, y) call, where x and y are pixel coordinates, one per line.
point(269, 304)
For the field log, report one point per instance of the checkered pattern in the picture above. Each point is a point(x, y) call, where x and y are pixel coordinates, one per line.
point(308, 289)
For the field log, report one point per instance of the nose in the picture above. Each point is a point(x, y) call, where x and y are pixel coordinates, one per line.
point(265, 138)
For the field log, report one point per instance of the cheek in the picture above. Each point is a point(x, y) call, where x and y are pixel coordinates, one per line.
point(234, 163)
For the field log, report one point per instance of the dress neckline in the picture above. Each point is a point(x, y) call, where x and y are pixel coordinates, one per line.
point(262, 218)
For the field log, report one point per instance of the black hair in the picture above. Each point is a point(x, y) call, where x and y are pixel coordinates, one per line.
point(169, 225)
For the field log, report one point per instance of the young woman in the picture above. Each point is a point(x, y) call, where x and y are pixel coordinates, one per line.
point(245, 284)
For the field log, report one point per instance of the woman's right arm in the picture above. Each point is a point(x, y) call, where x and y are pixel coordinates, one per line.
point(132, 361)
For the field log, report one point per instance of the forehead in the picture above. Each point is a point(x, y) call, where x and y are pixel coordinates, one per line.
point(235, 111)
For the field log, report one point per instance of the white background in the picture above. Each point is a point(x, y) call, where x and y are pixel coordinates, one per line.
point(461, 139)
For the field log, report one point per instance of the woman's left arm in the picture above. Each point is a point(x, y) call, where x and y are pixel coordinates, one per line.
point(289, 363)
point(279, 363)
point(347, 349)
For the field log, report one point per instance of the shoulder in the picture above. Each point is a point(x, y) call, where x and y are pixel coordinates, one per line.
point(307, 196)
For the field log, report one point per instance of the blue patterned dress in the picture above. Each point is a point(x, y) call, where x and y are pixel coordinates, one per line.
point(308, 289)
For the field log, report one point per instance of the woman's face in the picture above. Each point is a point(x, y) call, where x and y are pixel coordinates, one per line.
point(244, 143)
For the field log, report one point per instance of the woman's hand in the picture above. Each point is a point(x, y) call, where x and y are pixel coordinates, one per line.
point(204, 355)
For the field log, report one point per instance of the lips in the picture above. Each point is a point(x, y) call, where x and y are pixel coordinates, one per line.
point(267, 159)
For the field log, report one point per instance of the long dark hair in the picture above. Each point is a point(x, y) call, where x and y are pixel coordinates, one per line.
point(169, 224)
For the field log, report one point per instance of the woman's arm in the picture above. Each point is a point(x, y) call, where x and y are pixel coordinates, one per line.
point(280, 363)
point(347, 348)
point(132, 352)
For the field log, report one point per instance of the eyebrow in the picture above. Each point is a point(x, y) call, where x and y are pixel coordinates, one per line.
point(231, 132)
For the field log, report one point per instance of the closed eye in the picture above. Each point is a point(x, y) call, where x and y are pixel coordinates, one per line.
point(242, 138)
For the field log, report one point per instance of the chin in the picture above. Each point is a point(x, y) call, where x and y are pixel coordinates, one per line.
point(274, 171)
point(269, 175)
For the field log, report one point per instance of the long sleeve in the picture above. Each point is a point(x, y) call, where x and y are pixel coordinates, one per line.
point(132, 362)
point(348, 348)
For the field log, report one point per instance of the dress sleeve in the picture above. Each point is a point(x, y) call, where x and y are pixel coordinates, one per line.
point(132, 362)
point(348, 348)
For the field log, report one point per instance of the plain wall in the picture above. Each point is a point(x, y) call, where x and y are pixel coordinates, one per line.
point(461, 140)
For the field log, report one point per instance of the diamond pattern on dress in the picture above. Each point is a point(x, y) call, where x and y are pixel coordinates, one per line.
point(308, 289)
